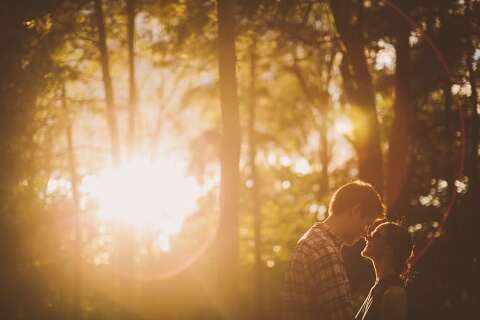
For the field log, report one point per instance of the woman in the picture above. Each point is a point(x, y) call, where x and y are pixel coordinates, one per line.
point(389, 247)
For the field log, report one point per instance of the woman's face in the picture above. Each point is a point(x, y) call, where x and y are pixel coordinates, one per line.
point(376, 246)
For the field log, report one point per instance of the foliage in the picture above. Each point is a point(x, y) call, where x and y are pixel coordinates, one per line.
point(305, 137)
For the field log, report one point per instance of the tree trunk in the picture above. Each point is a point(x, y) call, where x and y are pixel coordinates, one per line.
point(132, 97)
point(325, 107)
point(474, 121)
point(74, 179)
point(230, 153)
point(449, 114)
point(254, 178)
point(111, 117)
point(362, 96)
point(107, 82)
point(448, 104)
point(403, 129)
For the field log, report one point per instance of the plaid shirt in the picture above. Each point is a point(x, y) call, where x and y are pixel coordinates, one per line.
point(316, 283)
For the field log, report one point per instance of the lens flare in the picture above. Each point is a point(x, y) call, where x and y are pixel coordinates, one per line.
point(145, 194)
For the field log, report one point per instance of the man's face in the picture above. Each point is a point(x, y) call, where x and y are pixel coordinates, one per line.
point(357, 225)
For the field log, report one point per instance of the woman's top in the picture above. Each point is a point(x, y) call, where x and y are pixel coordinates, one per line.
point(371, 307)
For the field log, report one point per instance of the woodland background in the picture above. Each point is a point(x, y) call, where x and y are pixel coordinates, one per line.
point(160, 159)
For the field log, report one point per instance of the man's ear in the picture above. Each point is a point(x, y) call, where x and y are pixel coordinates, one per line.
point(355, 209)
point(389, 251)
point(352, 213)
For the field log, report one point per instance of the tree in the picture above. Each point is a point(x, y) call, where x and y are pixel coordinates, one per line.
point(27, 73)
point(359, 90)
point(402, 134)
point(75, 182)
point(111, 115)
point(252, 153)
point(473, 152)
point(132, 88)
point(230, 153)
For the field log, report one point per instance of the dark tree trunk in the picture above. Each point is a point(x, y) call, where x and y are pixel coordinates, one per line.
point(107, 82)
point(74, 179)
point(230, 153)
point(474, 118)
point(132, 86)
point(450, 133)
point(361, 96)
point(257, 227)
point(450, 117)
point(402, 134)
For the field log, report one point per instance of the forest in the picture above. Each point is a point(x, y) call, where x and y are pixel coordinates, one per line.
point(160, 159)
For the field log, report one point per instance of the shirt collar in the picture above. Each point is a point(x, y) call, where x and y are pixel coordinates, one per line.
point(335, 237)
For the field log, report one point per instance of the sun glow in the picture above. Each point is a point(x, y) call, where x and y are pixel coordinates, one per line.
point(343, 125)
point(144, 194)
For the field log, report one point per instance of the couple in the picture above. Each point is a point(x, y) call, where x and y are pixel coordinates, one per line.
point(316, 283)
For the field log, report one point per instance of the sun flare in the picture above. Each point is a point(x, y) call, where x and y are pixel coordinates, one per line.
point(343, 125)
point(145, 194)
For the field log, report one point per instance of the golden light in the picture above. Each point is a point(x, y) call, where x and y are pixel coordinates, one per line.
point(385, 58)
point(302, 166)
point(343, 125)
point(143, 194)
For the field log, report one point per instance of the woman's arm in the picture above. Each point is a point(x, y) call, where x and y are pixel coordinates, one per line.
point(394, 306)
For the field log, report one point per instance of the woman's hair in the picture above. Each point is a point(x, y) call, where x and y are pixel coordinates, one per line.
point(399, 239)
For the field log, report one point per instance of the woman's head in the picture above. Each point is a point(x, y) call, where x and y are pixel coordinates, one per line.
point(389, 242)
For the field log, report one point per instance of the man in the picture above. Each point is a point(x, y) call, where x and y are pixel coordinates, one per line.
point(316, 283)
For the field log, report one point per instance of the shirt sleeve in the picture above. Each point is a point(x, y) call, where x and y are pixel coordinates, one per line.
point(297, 291)
point(332, 286)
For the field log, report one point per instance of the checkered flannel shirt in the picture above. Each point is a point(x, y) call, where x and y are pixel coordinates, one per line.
point(316, 283)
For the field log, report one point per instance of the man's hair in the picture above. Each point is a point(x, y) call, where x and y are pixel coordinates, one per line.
point(357, 193)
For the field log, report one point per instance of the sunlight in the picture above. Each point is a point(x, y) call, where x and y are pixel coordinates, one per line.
point(58, 185)
point(143, 194)
point(343, 125)
point(302, 166)
point(385, 58)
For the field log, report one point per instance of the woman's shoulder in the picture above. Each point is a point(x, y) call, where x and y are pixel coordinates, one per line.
point(395, 298)
point(395, 303)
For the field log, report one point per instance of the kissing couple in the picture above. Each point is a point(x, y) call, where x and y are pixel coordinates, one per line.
point(316, 283)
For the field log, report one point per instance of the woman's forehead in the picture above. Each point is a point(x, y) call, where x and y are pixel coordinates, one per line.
point(381, 229)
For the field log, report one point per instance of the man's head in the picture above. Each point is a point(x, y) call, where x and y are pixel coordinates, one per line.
point(354, 207)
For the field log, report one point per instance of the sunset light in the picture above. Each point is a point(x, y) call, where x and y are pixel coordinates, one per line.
point(193, 159)
point(343, 125)
point(145, 194)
